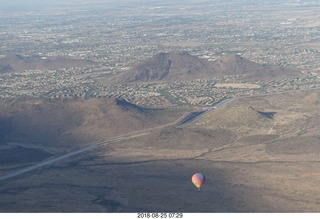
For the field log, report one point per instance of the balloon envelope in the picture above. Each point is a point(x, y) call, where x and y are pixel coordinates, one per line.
point(198, 179)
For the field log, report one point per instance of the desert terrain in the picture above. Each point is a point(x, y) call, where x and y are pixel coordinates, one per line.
point(112, 106)
point(259, 154)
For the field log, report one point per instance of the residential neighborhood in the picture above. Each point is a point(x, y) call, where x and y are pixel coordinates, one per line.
point(120, 40)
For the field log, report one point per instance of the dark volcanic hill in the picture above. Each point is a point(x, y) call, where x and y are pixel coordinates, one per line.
point(233, 64)
point(23, 63)
point(177, 66)
point(168, 67)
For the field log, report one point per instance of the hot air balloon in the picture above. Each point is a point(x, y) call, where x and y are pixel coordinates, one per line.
point(198, 179)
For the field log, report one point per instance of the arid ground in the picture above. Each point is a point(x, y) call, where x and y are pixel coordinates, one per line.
point(259, 154)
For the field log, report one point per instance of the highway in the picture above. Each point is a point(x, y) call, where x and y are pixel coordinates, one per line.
point(45, 163)
point(112, 140)
point(70, 154)
point(84, 149)
point(200, 115)
point(183, 121)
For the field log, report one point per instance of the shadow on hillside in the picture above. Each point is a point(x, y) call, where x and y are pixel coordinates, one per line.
point(88, 184)
point(46, 123)
point(28, 137)
point(269, 115)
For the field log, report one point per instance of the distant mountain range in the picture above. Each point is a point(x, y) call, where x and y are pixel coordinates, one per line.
point(177, 66)
point(22, 63)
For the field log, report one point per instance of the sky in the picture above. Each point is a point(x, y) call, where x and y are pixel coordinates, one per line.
point(35, 5)
point(24, 5)
point(28, 5)
point(11, 5)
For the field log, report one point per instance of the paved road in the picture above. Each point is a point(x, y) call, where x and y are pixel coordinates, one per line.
point(127, 136)
point(45, 163)
point(199, 116)
point(116, 139)
point(84, 149)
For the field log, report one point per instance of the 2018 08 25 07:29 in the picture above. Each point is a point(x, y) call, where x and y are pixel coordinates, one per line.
point(159, 215)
